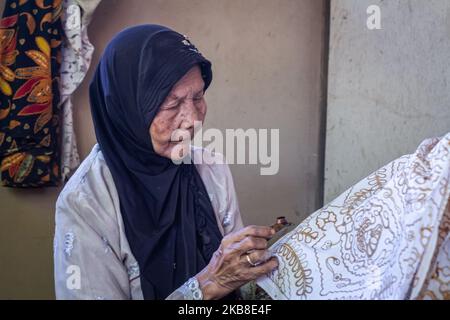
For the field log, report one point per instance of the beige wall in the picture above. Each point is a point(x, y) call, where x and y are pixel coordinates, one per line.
point(267, 61)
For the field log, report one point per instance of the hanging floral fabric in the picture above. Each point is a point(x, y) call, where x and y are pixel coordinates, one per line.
point(76, 59)
point(30, 58)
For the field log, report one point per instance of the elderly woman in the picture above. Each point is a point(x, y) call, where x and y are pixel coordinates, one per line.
point(131, 223)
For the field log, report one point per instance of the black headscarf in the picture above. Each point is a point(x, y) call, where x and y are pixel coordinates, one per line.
point(168, 217)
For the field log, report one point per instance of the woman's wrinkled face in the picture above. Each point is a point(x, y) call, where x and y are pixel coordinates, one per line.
point(174, 122)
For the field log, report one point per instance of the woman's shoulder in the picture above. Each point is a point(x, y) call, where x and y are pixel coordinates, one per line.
point(90, 204)
point(212, 166)
point(206, 158)
point(92, 180)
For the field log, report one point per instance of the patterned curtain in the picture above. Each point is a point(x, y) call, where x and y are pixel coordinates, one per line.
point(30, 58)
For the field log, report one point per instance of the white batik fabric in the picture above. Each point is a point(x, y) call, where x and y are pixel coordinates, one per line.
point(386, 237)
point(76, 59)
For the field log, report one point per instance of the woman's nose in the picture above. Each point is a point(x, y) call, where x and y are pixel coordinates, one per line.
point(190, 115)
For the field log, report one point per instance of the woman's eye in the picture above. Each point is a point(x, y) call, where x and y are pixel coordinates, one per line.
point(172, 106)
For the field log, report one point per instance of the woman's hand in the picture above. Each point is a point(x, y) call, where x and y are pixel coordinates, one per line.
point(229, 267)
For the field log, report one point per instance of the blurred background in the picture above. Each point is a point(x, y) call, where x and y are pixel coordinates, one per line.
point(346, 99)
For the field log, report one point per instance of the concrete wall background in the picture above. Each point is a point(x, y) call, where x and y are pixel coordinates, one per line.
point(267, 62)
point(387, 89)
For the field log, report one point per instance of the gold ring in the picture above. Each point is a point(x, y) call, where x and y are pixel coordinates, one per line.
point(250, 261)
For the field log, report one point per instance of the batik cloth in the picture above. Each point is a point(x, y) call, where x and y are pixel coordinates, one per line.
point(387, 237)
point(30, 57)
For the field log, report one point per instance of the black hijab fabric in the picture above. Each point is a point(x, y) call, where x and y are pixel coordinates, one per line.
point(168, 217)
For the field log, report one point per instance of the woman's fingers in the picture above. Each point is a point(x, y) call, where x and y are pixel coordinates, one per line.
point(242, 257)
point(257, 231)
point(237, 249)
point(250, 231)
point(265, 267)
point(256, 257)
point(248, 239)
point(250, 243)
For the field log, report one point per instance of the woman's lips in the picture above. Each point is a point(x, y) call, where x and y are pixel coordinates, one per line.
point(176, 142)
point(180, 140)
